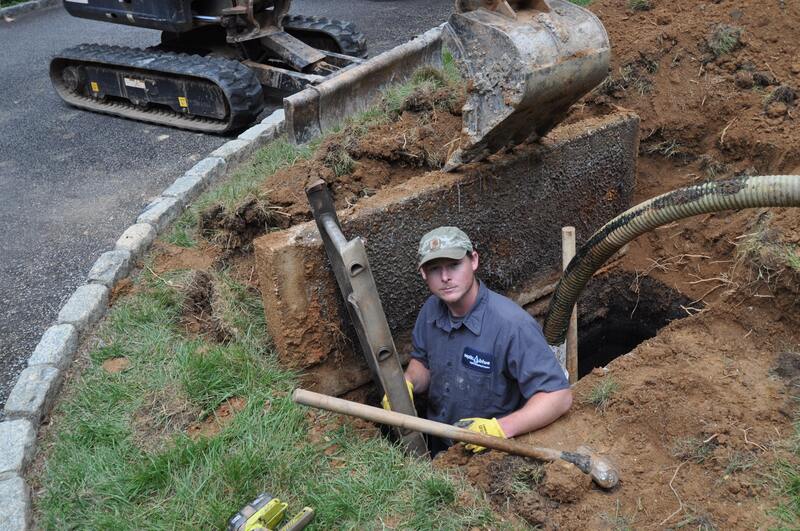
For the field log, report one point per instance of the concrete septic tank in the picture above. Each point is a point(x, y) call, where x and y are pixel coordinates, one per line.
point(513, 208)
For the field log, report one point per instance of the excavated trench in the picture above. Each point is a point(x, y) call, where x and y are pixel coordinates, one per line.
point(619, 311)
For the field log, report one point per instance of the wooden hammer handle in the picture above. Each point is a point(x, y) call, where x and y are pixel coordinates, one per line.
point(439, 429)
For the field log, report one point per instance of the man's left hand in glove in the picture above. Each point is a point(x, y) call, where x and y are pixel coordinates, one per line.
point(484, 426)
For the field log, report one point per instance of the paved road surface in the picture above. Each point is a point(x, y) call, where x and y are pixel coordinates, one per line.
point(72, 181)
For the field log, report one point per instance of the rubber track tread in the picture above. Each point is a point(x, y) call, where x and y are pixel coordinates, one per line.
point(351, 41)
point(238, 83)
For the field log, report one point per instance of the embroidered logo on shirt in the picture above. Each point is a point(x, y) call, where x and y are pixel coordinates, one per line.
point(476, 360)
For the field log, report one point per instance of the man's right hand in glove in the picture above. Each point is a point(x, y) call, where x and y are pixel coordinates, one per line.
point(385, 400)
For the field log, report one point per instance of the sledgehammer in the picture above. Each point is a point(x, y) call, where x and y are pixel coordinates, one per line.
point(602, 471)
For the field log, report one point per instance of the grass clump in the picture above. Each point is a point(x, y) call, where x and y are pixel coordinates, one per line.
point(635, 75)
point(601, 394)
point(640, 5)
point(527, 477)
point(102, 460)
point(692, 449)
point(763, 258)
point(619, 521)
point(788, 485)
point(339, 161)
point(246, 182)
point(740, 462)
point(724, 40)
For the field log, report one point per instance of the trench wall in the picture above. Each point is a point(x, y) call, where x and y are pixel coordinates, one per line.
point(513, 208)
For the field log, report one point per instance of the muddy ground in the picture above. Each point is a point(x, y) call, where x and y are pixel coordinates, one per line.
point(699, 417)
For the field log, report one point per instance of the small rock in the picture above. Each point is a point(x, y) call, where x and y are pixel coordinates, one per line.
point(795, 68)
point(777, 109)
point(663, 20)
point(744, 80)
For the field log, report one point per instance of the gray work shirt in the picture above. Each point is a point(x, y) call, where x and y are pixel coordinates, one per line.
point(488, 364)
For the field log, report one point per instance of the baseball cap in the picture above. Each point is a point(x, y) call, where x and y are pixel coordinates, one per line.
point(443, 242)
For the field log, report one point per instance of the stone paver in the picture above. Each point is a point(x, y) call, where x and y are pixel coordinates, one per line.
point(160, 213)
point(17, 442)
point(277, 118)
point(234, 151)
point(110, 268)
point(15, 504)
point(57, 347)
point(210, 168)
point(260, 135)
point(85, 307)
point(136, 239)
point(185, 189)
point(33, 394)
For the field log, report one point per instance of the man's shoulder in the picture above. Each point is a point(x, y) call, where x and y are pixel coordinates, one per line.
point(507, 309)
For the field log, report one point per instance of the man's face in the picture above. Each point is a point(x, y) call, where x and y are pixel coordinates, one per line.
point(450, 280)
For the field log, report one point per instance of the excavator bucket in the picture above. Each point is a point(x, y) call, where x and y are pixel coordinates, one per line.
point(526, 63)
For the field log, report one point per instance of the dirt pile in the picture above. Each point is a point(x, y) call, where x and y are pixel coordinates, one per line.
point(699, 417)
point(386, 147)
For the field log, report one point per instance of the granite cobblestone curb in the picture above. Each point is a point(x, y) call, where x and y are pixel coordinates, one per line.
point(36, 388)
point(20, 9)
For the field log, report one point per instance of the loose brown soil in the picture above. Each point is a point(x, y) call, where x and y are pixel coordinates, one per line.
point(116, 365)
point(215, 422)
point(704, 411)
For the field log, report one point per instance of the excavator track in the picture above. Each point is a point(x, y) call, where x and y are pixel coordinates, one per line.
point(205, 94)
point(321, 32)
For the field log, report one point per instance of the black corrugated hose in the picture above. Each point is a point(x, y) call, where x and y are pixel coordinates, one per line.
point(714, 196)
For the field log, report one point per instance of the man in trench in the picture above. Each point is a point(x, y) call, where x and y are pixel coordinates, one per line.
point(481, 360)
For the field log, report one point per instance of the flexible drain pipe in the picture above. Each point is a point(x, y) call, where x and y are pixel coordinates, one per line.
point(729, 194)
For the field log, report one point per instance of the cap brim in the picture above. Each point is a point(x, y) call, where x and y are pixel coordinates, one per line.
point(452, 254)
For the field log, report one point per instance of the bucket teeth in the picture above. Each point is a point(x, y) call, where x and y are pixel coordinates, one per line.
point(523, 73)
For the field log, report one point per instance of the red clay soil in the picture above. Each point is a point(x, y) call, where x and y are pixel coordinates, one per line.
point(703, 412)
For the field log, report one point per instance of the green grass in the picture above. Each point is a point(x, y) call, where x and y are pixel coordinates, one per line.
point(246, 181)
point(640, 5)
point(724, 40)
point(692, 449)
point(118, 457)
point(601, 394)
point(7, 3)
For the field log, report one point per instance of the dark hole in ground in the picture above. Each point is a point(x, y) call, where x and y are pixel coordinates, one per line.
point(616, 313)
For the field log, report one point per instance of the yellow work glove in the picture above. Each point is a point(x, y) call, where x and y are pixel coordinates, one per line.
point(484, 426)
point(385, 399)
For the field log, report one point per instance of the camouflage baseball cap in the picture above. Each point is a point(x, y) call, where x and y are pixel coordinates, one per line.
point(443, 242)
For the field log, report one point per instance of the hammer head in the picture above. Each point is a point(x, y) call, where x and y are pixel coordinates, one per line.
point(601, 469)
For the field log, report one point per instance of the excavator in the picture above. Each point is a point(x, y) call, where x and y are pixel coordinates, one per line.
point(525, 63)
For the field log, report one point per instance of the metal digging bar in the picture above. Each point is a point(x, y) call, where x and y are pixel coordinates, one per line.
point(354, 276)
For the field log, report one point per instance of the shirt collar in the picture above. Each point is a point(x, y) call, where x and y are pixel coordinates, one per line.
point(474, 318)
